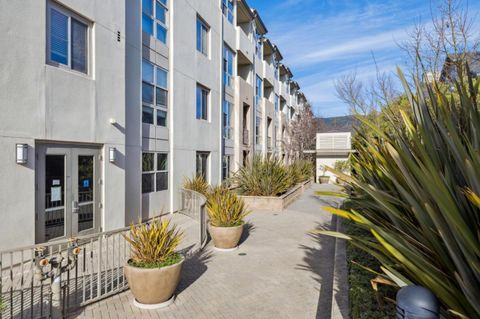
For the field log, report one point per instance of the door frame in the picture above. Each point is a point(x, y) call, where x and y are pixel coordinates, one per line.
point(71, 152)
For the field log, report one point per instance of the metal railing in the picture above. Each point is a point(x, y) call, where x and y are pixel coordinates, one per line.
point(245, 137)
point(51, 280)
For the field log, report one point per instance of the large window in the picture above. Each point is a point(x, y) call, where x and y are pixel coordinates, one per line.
point(258, 90)
point(226, 167)
point(202, 165)
point(227, 8)
point(227, 66)
point(154, 172)
point(202, 36)
point(154, 94)
point(258, 45)
point(202, 103)
point(227, 118)
point(154, 18)
point(67, 39)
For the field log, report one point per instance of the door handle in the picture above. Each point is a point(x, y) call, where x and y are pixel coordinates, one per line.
point(75, 208)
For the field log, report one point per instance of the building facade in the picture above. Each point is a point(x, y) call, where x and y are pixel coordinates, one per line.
point(107, 105)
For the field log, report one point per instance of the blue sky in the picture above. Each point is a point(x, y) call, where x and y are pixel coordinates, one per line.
point(321, 40)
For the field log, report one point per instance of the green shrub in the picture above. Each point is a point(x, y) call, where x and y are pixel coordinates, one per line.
point(225, 208)
point(302, 171)
point(197, 184)
point(263, 177)
point(417, 191)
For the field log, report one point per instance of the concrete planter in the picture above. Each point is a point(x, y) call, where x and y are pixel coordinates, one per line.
point(153, 288)
point(275, 203)
point(323, 179)
point(225, 238)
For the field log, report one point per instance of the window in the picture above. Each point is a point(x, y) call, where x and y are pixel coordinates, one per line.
point(226, 167)
point(258, 45)
point(258, 90)
point(202, 103)
point(154, 94)
point(227, 66)
point(227, 8)
point(227, 129)
point(277, 102)
point(202, 165)
point(67, 40)
point(202, 37)
point(258, 122)
point(276, 71)
point(154, 18)
point(154, 172)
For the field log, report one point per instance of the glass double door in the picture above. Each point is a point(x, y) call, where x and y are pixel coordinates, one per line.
point(68, 192)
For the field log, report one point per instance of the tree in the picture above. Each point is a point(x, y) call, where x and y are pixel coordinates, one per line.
point(301, 134)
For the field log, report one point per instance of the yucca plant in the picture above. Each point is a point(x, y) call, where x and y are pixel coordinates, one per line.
point(417, 191)
point(301, 170)
point(225, 208)
point(263, 177)
point(197, 183)
point(153, 245)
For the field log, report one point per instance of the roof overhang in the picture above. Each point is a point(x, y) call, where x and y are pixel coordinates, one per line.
point(244, 14)
point(278, 55)
point(261, 28)
point(268, 48)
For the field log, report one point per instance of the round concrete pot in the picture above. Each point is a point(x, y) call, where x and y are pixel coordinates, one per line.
point(225, 238)
point(324, 179)
point(153, 286)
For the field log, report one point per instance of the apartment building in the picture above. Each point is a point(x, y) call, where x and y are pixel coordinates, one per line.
point(107, 105)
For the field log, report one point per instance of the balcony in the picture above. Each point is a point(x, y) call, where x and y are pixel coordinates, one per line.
point(245, 91)
point(245, 45)
point(246, 137)
point(269, 143)
point(283, 90)
point(268, 73)
point(258, 139)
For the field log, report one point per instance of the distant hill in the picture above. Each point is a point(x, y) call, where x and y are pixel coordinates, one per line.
point(336, 124)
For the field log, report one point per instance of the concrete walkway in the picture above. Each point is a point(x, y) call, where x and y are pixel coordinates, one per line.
point(279, 271)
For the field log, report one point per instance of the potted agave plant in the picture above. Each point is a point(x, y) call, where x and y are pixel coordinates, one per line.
point(323, 179)
point(226, 212)
point(153, 271)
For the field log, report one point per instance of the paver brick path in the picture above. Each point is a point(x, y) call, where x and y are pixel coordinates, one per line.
point(279, 271)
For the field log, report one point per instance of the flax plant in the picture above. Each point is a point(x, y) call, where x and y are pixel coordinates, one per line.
point(263, 177)
point(301, 170)
point(417, 191)
point(197, 183)
point(153, 245)
point(225, 208)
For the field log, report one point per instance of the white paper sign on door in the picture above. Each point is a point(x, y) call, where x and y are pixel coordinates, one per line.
point(56, 193)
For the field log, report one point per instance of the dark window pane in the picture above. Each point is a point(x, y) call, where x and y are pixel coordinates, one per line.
point(147, 71)
point(161, 33)
point(204, 104)
point(147, 114)
point(58, 37)
point(147, 24)
point(148, 182)
point(199, 103)
point(79, 46)
point(162, 181)
point(161, 118)
point(162, 162)
point(162, 97)
point(148, 162)
point(162, 78)
point(147, 93)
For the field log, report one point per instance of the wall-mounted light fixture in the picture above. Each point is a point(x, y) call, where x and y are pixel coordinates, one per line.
point(112, 154)
point(22, 153)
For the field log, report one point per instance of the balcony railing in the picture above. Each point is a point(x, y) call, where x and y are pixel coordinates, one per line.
point(258, 139)
point(227, 133)
point(269, 142)
point(54, 279)
point(246, 137)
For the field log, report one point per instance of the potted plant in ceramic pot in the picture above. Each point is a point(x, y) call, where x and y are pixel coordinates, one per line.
point(323, 179)
point(153, 271)
point(226, 212)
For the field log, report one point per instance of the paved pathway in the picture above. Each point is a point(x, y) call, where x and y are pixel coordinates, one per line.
point(279, 271)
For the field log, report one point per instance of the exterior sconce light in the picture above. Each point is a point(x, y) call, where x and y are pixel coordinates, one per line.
point(112, 154)
point(22, 153)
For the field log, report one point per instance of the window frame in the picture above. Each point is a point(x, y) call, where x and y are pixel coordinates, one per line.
point(228, 12)
point(155, 171)
point(70, 15)
point(227, 117)
point(226, 166)
point(205, 47)
point(200, 154)
point(228, 53)
point(156, 86)
point(258, 128)
point(204, 116)
point(153, 17)
point(258, 89)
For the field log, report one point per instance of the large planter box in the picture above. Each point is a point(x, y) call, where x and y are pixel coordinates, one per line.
point(275, 203)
